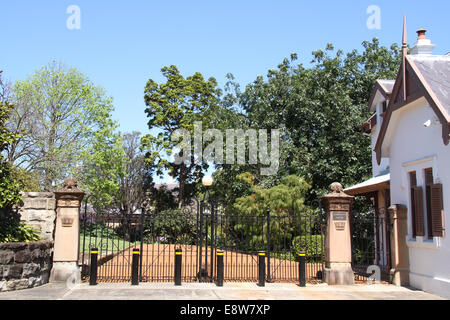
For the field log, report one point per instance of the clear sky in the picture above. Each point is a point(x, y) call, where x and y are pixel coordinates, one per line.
point(121, 44)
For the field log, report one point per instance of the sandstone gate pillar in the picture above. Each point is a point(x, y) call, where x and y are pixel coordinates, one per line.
point(399, 250)
point(67, 232)
point(338, 245)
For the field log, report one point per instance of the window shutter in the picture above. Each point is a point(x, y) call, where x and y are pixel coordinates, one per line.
point(418, 209)
point(437, 210)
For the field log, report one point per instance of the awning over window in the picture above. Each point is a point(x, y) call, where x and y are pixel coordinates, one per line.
point(371, 185)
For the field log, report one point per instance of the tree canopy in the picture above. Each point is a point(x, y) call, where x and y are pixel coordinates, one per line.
point(173, 106)
point(320, 110)
point(59, 115)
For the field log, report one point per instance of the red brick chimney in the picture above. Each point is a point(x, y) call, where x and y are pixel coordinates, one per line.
point(422, 34)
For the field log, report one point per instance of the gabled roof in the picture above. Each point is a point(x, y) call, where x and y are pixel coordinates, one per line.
point(420, 77)
point(382, 87)
point(436, 73)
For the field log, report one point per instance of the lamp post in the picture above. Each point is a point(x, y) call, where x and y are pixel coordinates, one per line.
point(207, 182)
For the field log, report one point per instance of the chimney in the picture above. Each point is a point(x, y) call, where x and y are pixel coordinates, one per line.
point(423, 46)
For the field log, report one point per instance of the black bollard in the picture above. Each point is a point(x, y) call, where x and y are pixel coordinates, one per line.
point(262, 269)
point(220, 269)
point(178, 262)
point(302, 269)
point(93, 271)
point(135, 268)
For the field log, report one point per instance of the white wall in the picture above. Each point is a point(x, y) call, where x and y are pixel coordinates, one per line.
point(413, 147)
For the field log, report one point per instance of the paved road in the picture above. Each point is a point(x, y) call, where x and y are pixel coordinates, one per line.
point(231, 291)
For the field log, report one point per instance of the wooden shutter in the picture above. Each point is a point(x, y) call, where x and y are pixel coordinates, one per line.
point(429, 180)
point(418, 210)
point(437, 210)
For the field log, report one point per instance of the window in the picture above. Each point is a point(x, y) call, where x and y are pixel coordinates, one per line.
point(413, 184)
point(428, 183)
point(433, 206)
point(437, 210)
point(385, 105)
point(417, 218)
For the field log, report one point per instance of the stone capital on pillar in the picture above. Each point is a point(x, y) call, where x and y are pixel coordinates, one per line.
point(67, 231)
point(338, 246)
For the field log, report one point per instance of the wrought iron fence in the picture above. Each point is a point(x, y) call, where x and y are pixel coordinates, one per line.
point(370, 244)
point(200, 230)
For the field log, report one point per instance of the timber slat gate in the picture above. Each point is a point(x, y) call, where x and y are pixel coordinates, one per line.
point(200, 231)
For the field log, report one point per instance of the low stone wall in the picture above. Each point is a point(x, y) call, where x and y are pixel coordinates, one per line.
point(25, 265)
point(38, 211)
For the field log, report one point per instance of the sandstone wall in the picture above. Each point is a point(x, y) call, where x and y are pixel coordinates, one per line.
point(25, 265)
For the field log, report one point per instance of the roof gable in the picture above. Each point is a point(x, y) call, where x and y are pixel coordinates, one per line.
point(384, 88)
point(411, 81)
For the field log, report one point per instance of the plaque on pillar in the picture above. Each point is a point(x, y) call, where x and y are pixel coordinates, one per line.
point(338, 247)
point(67, 232)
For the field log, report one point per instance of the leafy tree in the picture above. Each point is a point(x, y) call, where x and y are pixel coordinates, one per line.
point(28, 181)
point(11, 230)
point(131, 185)
point(284, 199)
point(102, 166)
point(58, 114)
point(177, 105)
point(249, 226)
point(319, 110)
point(9, 188)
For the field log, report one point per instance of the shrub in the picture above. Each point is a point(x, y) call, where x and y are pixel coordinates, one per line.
point(12, 230)
point(171, 226)
point(311, 244)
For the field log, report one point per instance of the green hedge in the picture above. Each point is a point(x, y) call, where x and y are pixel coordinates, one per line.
point(311, 244)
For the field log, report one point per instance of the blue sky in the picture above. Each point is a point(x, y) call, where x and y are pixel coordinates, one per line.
point(121, 44)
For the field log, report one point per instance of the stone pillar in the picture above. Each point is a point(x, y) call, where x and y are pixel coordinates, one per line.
point(67, 232)
point(399, 274)
point(338, 245)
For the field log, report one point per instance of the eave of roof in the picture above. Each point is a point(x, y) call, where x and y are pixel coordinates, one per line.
point(371, 185)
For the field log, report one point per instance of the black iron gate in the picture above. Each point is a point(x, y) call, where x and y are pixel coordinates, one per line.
point(200, 230)
point(370, 245)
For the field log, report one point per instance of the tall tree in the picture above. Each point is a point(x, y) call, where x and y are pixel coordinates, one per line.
point(102, 165)
point(58, 113)
point(9, 188)
point(177, 105)
point(320, 110)
point(11, 229)
point(132, 187)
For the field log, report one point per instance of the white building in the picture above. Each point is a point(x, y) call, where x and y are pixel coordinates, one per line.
point(411, 159)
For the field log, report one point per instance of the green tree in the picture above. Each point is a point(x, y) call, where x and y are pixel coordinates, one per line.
point(132, 187)
point(102, 166)
point(319, 110)
point(58, 114)
point(287, 198)
point(177, 105)
point(11, 230)
point(9, 188)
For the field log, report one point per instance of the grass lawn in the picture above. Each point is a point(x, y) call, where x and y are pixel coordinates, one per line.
point(105, 245)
